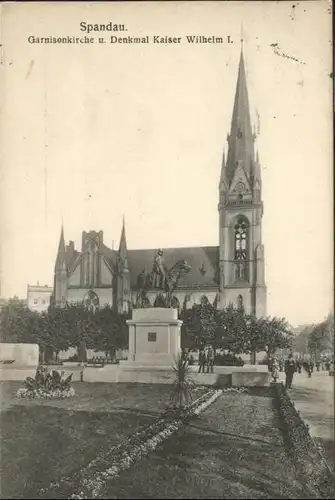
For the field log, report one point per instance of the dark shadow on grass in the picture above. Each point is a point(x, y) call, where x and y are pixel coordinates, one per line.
point(40, 444)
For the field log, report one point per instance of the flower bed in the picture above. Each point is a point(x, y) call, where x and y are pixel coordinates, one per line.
point(93, 479)
point(47, 385)
point(43, 394)
point(307, 457)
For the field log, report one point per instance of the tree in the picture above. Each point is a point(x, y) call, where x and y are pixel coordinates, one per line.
point(231, 332)
point(321, 338)
point(19, 324)
point(110, 332)
point(199, 324)
point(272, 334)
point(58, 330)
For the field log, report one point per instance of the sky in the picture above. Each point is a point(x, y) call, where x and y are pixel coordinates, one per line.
point(90, 132)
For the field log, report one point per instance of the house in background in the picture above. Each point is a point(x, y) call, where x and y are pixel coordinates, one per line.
point(38, 297)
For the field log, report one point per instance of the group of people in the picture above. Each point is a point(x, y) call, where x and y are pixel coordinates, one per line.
point(291, 366)
point(206, 359)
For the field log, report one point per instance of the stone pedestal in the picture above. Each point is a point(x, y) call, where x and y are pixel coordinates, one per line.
point(154, 338)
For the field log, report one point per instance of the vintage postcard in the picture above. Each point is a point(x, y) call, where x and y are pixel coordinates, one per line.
point(166, 263)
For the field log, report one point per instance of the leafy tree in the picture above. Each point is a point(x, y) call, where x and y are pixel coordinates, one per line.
point(321, 338)
point(110, 332)
point(272, 334)
point(58, 330)
point(232, 329)
point(231, 332)
point(199, 324)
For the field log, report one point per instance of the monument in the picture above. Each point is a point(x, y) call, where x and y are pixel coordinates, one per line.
point(154, 338)
point(155, 332)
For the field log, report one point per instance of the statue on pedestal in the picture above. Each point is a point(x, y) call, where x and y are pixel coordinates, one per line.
point(162, 279)
point(158, 277)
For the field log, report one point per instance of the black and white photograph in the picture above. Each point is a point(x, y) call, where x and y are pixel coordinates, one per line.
point(166, 250)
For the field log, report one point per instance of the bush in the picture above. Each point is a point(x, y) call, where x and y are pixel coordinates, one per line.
point(183, 385)
point(47, 384)
point(74, 357)
point(228, 360)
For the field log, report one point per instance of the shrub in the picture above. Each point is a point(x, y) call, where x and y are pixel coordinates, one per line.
point(183, 385)
point(73, 358)
point(47, 384)
point(228, 360)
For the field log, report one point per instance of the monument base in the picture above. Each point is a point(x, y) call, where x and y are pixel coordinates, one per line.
point(154, 337)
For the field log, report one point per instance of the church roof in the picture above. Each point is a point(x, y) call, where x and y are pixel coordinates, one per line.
point(204, 262)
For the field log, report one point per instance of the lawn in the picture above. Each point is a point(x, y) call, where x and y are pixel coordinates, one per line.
point(42, 441)
point(235, 449)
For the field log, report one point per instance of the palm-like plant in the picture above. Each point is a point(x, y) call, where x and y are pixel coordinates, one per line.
point(183, 385)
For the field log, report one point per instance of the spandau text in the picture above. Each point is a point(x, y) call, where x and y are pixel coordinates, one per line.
point(88, 28)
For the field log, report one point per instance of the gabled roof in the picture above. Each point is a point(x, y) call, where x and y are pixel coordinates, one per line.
point(204, 262)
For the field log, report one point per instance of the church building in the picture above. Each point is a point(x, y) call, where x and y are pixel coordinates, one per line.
point(232, 272)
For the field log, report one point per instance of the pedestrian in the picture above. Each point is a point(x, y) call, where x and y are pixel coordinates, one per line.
point(270, 364)
point(275, 369)
point(202, 361)
point(317, 366)
point(290, 368)
point(185, 358)
point(281, 364)
point(299, 365)
point(210, 359)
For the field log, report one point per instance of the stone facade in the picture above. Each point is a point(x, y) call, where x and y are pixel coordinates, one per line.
point(232, 272)
point(38, 297)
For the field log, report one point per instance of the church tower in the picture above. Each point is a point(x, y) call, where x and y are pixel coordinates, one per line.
point(123, 288)
point(242, 279)
point(61, 275)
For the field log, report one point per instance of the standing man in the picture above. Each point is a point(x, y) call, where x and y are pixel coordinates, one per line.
point(299, 365)
point(202, 360)
point(210, 359)
point(290, 368)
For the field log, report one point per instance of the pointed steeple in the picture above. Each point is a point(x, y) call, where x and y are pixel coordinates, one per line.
point(257, 169)
point(123, 246)
point(241, 139)
point(223, 179)
point(61, 258)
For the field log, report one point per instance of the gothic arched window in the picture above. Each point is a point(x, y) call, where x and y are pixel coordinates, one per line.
point(91, 301)
point(241, 239)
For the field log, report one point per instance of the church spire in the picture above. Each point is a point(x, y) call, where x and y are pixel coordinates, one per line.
point(61, 259)
point(123, 245)
point(241, 138)
point(223, 180)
